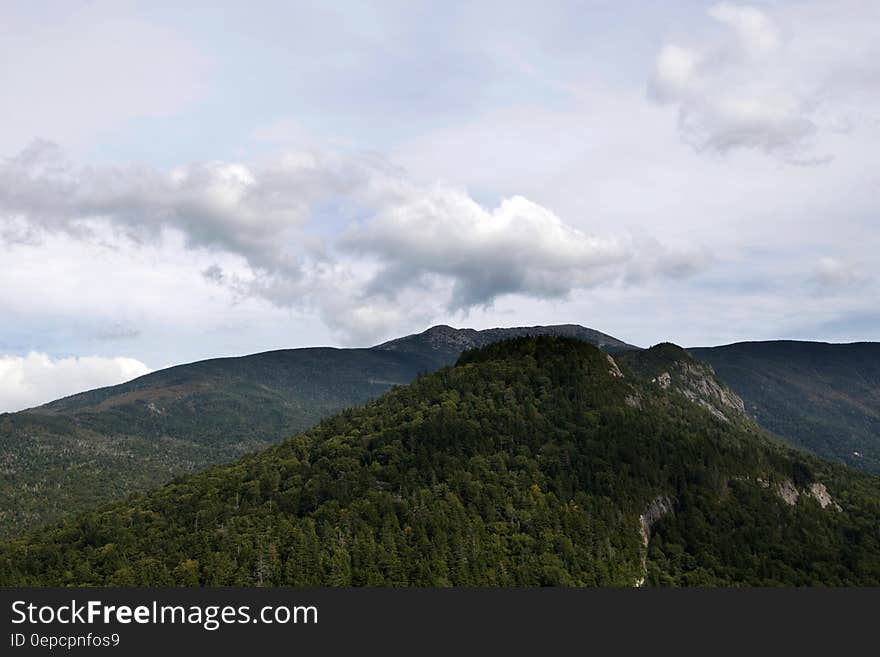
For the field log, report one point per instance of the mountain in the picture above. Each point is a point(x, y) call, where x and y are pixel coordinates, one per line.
point(673, 368)
point(822, 397)
point(104, 444)
point(535, 461)
point(444, 344)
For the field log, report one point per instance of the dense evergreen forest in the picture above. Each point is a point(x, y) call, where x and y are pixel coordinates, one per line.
point(534, 461)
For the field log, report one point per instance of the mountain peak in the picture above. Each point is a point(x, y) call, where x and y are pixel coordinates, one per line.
point(444, 343)
point(673, 368)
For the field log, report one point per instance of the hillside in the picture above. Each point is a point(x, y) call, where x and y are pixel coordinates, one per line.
point(102, 444)
point(532, 461)
point(822, 397)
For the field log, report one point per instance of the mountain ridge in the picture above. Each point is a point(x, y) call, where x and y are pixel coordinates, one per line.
point(449, 342)
point(84, 449)
point(521, 465)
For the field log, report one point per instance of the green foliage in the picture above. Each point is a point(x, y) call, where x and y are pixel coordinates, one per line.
point(522, 465)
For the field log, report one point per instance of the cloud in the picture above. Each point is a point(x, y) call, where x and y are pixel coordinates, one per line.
point(755, 30)
point(256, 212)
point(833, 274)
point(27, 381)
point(277, 219)
point(774, 82)
point(519, 247)
point(348, 236)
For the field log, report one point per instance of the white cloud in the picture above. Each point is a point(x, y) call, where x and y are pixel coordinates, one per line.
point(27, 381)
point(775, 81)
point(755, 30)
point(215, 204)
point(519, 247)
point(273, 216)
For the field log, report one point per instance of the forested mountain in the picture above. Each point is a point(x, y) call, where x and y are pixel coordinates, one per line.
point(106, 443)
point(819, 396)
point(103, 444)
point(532, 461)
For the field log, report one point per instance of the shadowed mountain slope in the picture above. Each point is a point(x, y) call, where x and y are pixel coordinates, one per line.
point(822, 397)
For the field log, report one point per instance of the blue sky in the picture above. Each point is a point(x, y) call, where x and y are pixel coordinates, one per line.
point(181, 182)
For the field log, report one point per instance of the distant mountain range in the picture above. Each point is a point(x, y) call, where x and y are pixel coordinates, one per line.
point(444, 344)
point(100, 445)
point(533, 461)
point(822, 397)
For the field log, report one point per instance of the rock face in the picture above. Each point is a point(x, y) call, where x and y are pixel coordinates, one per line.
point(818, 491)
point(698, 383)
point(789, 494)
point(659, 507)
point(615, 370)
point(672, 368)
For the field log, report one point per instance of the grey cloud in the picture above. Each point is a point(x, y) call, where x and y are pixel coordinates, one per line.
point(435, 242)
point(517, 248)
point(214, 273)
point(256, 212)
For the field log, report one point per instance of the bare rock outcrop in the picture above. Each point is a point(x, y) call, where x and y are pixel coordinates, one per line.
point(697, 382)
point(818, 492)
point(659, 507)
point(614, 370)
point(789, 494)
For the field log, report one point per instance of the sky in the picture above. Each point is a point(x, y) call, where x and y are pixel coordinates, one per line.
point(181, 181)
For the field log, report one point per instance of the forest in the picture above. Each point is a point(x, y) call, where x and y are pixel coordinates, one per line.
point(528, 463)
